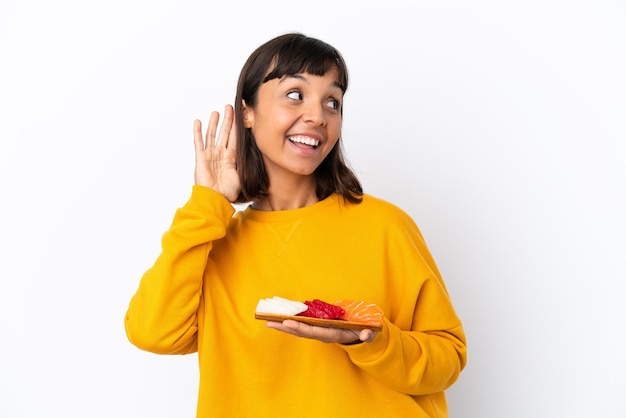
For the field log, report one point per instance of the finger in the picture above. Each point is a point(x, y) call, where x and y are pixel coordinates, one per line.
point(232, 139)
point(292, 327)
point(227, 124)
point(211, 129)
point(323, 334)
point(367, 335)
point(197, 136)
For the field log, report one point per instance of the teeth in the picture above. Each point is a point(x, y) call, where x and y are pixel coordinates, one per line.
point(304, 140)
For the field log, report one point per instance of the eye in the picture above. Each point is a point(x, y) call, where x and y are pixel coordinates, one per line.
point(334, 104)
point(294, 95)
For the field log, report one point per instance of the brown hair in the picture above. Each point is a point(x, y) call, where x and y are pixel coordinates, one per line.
point(289, 54)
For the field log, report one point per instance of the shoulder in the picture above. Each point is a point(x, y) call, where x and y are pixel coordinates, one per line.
point(377, 204)
point(379, 211)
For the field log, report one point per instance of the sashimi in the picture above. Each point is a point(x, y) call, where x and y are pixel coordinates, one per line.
point(350, 311)
point(363, 312)
point(323, 310)
point(282, 306)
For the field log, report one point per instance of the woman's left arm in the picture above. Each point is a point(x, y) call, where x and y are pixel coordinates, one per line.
point(422, 347)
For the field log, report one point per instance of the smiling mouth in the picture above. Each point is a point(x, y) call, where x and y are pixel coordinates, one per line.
point(314, 143)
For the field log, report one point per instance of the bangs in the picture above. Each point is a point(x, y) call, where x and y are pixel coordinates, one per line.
point(307, 55)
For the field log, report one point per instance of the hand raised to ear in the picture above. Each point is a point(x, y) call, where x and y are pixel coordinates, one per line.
point(215, 157)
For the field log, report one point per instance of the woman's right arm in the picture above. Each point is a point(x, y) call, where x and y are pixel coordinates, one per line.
point(162, 316)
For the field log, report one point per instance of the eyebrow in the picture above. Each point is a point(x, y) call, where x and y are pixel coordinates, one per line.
point(303, 78)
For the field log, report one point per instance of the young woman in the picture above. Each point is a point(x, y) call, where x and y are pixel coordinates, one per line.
point(308, 233)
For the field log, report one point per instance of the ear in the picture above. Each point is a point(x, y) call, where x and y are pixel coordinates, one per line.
point(247, 116)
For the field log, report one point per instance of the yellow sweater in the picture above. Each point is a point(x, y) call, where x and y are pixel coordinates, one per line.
point(202, 291)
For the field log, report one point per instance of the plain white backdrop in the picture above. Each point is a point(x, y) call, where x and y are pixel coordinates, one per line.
point(498, 126)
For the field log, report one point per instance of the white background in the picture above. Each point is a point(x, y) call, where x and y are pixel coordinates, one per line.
point(498, 126)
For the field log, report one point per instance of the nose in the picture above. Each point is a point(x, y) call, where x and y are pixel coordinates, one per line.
point(314, 114)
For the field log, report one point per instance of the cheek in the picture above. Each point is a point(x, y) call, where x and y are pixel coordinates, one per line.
point(334, 131)
point(333, 143)
point(330, 145)
point(273, 124)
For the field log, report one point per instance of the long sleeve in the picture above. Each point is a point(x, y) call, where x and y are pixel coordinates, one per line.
point(215, 265)
point(163, 314)
point(422, 347)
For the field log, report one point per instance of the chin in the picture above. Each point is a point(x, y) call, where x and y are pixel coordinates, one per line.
point(305, 171)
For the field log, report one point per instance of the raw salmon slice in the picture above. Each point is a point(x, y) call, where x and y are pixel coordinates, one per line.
point(362, 312)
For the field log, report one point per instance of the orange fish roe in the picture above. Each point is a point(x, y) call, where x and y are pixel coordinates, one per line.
point(362, 312)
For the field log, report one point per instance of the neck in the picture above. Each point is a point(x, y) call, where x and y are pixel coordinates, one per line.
point(286, 195)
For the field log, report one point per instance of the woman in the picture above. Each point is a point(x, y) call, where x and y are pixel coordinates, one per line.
point(308, 233)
